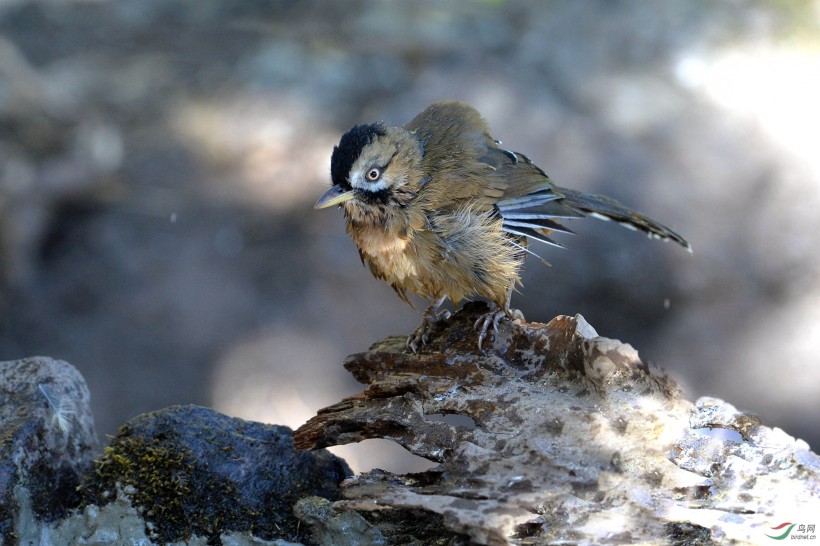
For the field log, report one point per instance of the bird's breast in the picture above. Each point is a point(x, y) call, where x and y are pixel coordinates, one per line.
point(457, 255)
point(390, 255)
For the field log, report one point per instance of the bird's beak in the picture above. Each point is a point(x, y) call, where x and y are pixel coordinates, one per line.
point(334, 196)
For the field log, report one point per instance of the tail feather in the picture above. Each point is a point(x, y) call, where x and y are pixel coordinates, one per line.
point(606, 208)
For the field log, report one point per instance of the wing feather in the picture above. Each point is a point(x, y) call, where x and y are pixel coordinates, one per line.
point(530, 234)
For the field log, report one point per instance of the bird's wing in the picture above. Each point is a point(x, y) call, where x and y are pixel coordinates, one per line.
point(457, 142)
point(454, 137)
point(463, 163)
point(527, 200)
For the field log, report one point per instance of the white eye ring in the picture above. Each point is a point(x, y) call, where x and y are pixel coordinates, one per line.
point(373, 174)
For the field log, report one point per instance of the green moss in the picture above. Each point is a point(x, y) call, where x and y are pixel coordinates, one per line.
point(192, 471)
point(152, 476)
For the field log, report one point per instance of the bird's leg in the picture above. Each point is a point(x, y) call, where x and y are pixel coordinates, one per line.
point(428, 320)
point(494, 317)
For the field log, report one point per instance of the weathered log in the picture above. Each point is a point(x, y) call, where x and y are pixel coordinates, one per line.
point(552, 434)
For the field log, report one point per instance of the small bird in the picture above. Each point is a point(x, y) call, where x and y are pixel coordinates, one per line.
point(437, 208)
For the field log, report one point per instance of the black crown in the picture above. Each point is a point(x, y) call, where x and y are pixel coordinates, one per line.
point(349, 149)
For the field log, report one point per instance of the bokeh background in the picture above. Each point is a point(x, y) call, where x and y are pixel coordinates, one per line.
point(159, 161)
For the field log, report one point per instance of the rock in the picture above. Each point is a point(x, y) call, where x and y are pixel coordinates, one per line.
point(549, 434)
point(334, 528)
point(554, 434)
point(192, 472)
point(46, 442)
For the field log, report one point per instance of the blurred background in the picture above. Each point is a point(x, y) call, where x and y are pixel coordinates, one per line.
point(159, 161)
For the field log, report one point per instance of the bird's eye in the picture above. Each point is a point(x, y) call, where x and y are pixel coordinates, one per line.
point(374, 174)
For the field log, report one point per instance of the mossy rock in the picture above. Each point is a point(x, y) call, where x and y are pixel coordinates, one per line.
point(190, 470)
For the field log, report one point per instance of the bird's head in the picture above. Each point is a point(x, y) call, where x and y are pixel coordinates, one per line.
point(374, 170)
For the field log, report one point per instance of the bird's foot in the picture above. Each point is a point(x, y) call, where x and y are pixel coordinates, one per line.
point(421, 336)
point(494, 317)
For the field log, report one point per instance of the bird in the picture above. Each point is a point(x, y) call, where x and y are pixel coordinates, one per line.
point(438, 208)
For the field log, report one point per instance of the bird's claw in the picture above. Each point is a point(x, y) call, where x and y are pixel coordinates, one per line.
point(494, 317)
point(421, 336)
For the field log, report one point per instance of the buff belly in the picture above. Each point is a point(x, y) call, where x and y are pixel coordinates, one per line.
point(457, 255)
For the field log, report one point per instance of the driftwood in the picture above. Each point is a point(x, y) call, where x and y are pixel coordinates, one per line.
point(552, 434)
